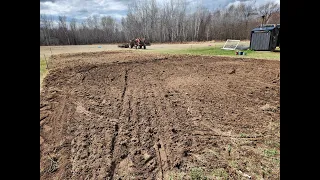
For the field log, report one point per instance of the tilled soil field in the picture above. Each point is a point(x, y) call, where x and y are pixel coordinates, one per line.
point(127, 115)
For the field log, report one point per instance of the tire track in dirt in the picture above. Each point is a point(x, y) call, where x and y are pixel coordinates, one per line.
point(122, 115)
point(157, 144)
point(169, 147)
point(165, 132)
point(95, 135)
point(125, 86)
point(140, 116)
point(160, 109)
point(55, 125)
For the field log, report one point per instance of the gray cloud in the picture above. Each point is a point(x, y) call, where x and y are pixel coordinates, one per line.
point(47, 0)
point(81, 9)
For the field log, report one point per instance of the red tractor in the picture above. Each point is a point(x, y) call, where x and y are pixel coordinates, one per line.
point(138, 43)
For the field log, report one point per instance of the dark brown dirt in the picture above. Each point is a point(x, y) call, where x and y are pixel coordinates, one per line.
point(125, 115)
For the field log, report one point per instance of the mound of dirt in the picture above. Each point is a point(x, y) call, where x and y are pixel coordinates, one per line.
point(126, 115)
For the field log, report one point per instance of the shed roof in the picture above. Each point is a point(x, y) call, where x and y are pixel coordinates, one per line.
point(266, 28)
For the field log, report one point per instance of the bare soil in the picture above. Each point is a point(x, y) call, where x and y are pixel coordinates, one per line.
point(127, 115)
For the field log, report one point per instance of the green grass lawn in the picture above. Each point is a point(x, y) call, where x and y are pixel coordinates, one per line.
point(217, 51)
point(43, 70)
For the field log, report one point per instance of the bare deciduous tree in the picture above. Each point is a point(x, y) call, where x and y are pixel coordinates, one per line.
point(63, 28)
point(166, 21)
point(267, 10)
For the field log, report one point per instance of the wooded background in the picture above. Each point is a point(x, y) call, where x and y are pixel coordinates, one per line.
point(171, 21)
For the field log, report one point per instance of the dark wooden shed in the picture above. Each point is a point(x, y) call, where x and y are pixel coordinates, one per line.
point(265, 38)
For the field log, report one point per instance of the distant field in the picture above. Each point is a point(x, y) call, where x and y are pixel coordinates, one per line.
point(198, 48)
point(50, 50)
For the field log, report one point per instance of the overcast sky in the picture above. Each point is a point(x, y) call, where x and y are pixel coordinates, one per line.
point(81, 9)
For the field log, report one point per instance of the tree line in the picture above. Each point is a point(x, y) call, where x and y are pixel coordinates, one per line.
point(171, 21)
